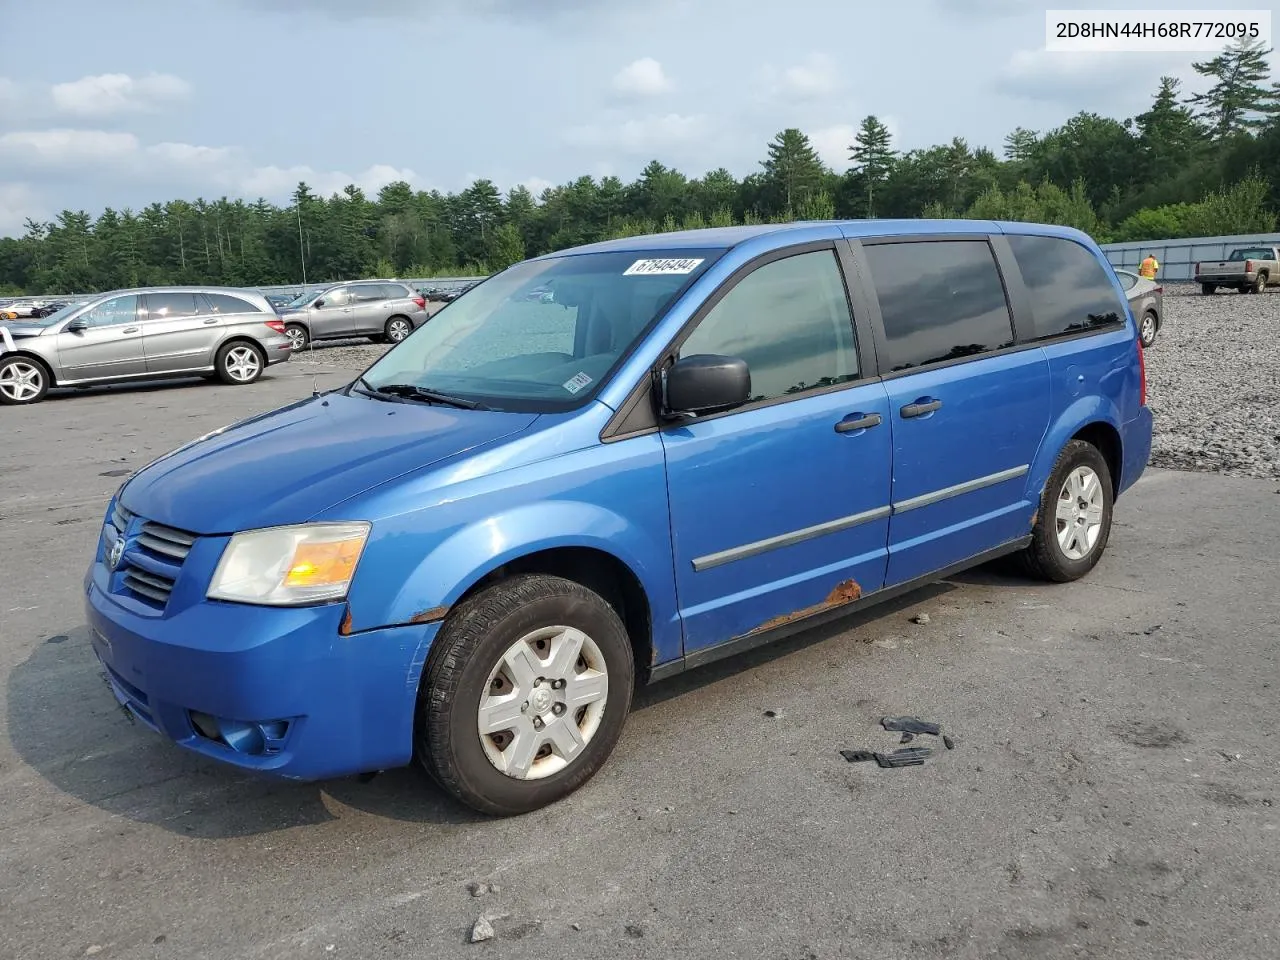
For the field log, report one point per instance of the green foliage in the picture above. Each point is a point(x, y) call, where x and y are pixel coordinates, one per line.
point(1167, 172)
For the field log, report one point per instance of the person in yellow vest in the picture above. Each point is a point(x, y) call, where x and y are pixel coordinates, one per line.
point(1149, 267)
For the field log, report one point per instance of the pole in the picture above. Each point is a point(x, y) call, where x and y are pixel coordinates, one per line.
point(302, 253)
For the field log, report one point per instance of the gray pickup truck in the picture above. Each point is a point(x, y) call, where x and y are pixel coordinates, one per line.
point(1246, 268)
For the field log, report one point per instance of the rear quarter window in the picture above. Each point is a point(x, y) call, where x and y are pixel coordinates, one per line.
point(1071, 292)
point(225, 303)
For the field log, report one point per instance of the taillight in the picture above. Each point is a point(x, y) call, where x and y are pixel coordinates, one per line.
point(1142, 373)
point(276, 325)
point(1159, 290)
point(1248, 266)
point(421, 302)
point(1197, 266)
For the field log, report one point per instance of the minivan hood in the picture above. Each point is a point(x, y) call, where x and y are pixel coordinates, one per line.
point(289, 465)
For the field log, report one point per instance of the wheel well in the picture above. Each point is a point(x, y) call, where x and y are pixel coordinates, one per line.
point(1106, 439)
point(599, 572)
point(44, 364)
point(245, 340)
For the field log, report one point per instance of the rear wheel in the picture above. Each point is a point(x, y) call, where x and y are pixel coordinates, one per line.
point(1148, 328)
point(1208, 289)
point(298, 335)
point(397, 329)
point(1074, 522)
point(240, 363)
point(524, 695)
point(23, 380)
point(1260, 284)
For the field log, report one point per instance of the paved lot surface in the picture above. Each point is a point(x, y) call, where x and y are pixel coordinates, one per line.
point(1113, 791)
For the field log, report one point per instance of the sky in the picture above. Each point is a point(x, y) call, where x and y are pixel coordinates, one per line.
point(123, 103)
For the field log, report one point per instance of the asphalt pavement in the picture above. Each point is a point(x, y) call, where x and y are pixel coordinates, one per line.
point(1112, 791)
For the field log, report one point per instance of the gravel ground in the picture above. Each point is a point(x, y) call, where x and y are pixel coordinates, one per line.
point(1213, 381)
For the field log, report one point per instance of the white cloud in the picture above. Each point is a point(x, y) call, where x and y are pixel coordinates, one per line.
point(641, 135)
point(110, 94)
point(642, 78)
point(63, 148)
point(818, 76)
point(18, 201)
point(832, 144)
point(536, 185)
point(1115, 80)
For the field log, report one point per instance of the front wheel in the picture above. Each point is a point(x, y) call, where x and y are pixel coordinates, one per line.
point(524, 695)
point(22, 381)
point(1074, 522)
point(1208, 289)
point(298, 336)
point(239, 363)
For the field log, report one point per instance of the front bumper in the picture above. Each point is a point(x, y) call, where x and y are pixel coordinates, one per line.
point(278, 691)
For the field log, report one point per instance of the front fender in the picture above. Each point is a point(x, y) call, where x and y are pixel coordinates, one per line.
point(430, 585)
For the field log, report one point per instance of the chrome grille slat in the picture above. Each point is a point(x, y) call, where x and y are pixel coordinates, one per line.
point(120, 518)
point(154, 543)
point(156, 588)
point(149, 541)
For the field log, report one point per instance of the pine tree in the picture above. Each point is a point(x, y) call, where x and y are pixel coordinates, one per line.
point(873, 156)
point(1168, 134)
point(1019, 145)
point(1232, 105)
point(793, 168)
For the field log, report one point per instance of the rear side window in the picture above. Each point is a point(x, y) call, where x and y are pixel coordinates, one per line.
point(790, 321)
point(225, 303)
point(168, 306)
point(1070, 290)
point(939, 300)
point(393, 291)
point(368, 292)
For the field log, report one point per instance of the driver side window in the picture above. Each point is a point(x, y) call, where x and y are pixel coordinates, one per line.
point(117, 310)
point(336, 298)
point(790, 321)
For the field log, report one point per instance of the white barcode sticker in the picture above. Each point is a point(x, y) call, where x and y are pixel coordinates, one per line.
point(648, 268)
point(576, 382)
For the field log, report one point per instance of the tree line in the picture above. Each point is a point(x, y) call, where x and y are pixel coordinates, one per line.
point(1198, 164)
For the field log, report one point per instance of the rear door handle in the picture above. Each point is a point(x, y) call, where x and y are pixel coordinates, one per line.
point(856, 421)
point(129, 330)
point(211, 320)
point(920, 409)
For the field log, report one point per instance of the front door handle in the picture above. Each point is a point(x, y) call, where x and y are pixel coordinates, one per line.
point(211, 320)
point(920, 409)
point(857, 421)
point(128, 330)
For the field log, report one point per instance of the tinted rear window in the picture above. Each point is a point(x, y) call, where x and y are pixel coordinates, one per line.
point(940, 300)
point(162, 306)
point(1252, 253)
point(225, 303)
point(393, 291)
point(1070, 290)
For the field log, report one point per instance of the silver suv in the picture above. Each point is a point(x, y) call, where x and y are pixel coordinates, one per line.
point(383, 310)
point(151, 333)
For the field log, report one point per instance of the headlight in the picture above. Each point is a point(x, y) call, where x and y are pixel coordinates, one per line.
point(284, 566)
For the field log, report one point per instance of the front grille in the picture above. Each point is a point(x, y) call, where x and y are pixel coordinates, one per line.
point(152, 562)
point(120, 518)
point(166, 541)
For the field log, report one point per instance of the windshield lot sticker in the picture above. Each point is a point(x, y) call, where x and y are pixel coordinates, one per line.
point(649, 268)
point(577, 382)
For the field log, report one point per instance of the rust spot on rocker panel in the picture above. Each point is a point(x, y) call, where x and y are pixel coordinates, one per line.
point(430, 616)
point(1035, 517)
point(345, 627)
point(844, 592)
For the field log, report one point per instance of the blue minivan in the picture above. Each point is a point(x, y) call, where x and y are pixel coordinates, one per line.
point(683, 446)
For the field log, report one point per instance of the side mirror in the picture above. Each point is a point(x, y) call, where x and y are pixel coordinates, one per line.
point(705, 383)
point(318, 303)
point(76, 326)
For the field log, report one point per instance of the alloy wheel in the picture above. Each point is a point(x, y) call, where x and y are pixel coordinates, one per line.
point(242, 364)
point(1079, 513)
point(21, 381)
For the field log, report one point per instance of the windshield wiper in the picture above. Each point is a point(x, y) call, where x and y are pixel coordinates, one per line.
point(414, 392)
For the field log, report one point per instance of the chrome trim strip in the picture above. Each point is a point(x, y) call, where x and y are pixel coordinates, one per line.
point(946, 493)
point(787, 539)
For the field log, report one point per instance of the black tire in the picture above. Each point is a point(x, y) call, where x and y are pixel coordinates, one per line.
point(474, 637)
point(1260, 284)
point(1208, 289)
point(299, 335)
point(33, 371)
point(228, 353)
point(397, 329)
point(1149, 341)
point(1045, 558)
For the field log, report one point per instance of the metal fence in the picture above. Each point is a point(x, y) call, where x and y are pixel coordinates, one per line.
point(1178, 258)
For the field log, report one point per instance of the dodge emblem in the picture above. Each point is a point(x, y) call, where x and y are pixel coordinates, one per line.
point(113, 557)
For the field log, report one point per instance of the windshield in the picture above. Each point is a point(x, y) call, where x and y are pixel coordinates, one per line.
point(506, 348)
point(52, 318)
point(1250, 253)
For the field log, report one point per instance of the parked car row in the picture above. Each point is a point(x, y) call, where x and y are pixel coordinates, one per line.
point(383, 310)
point(221, 333)
point(1146, 300)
